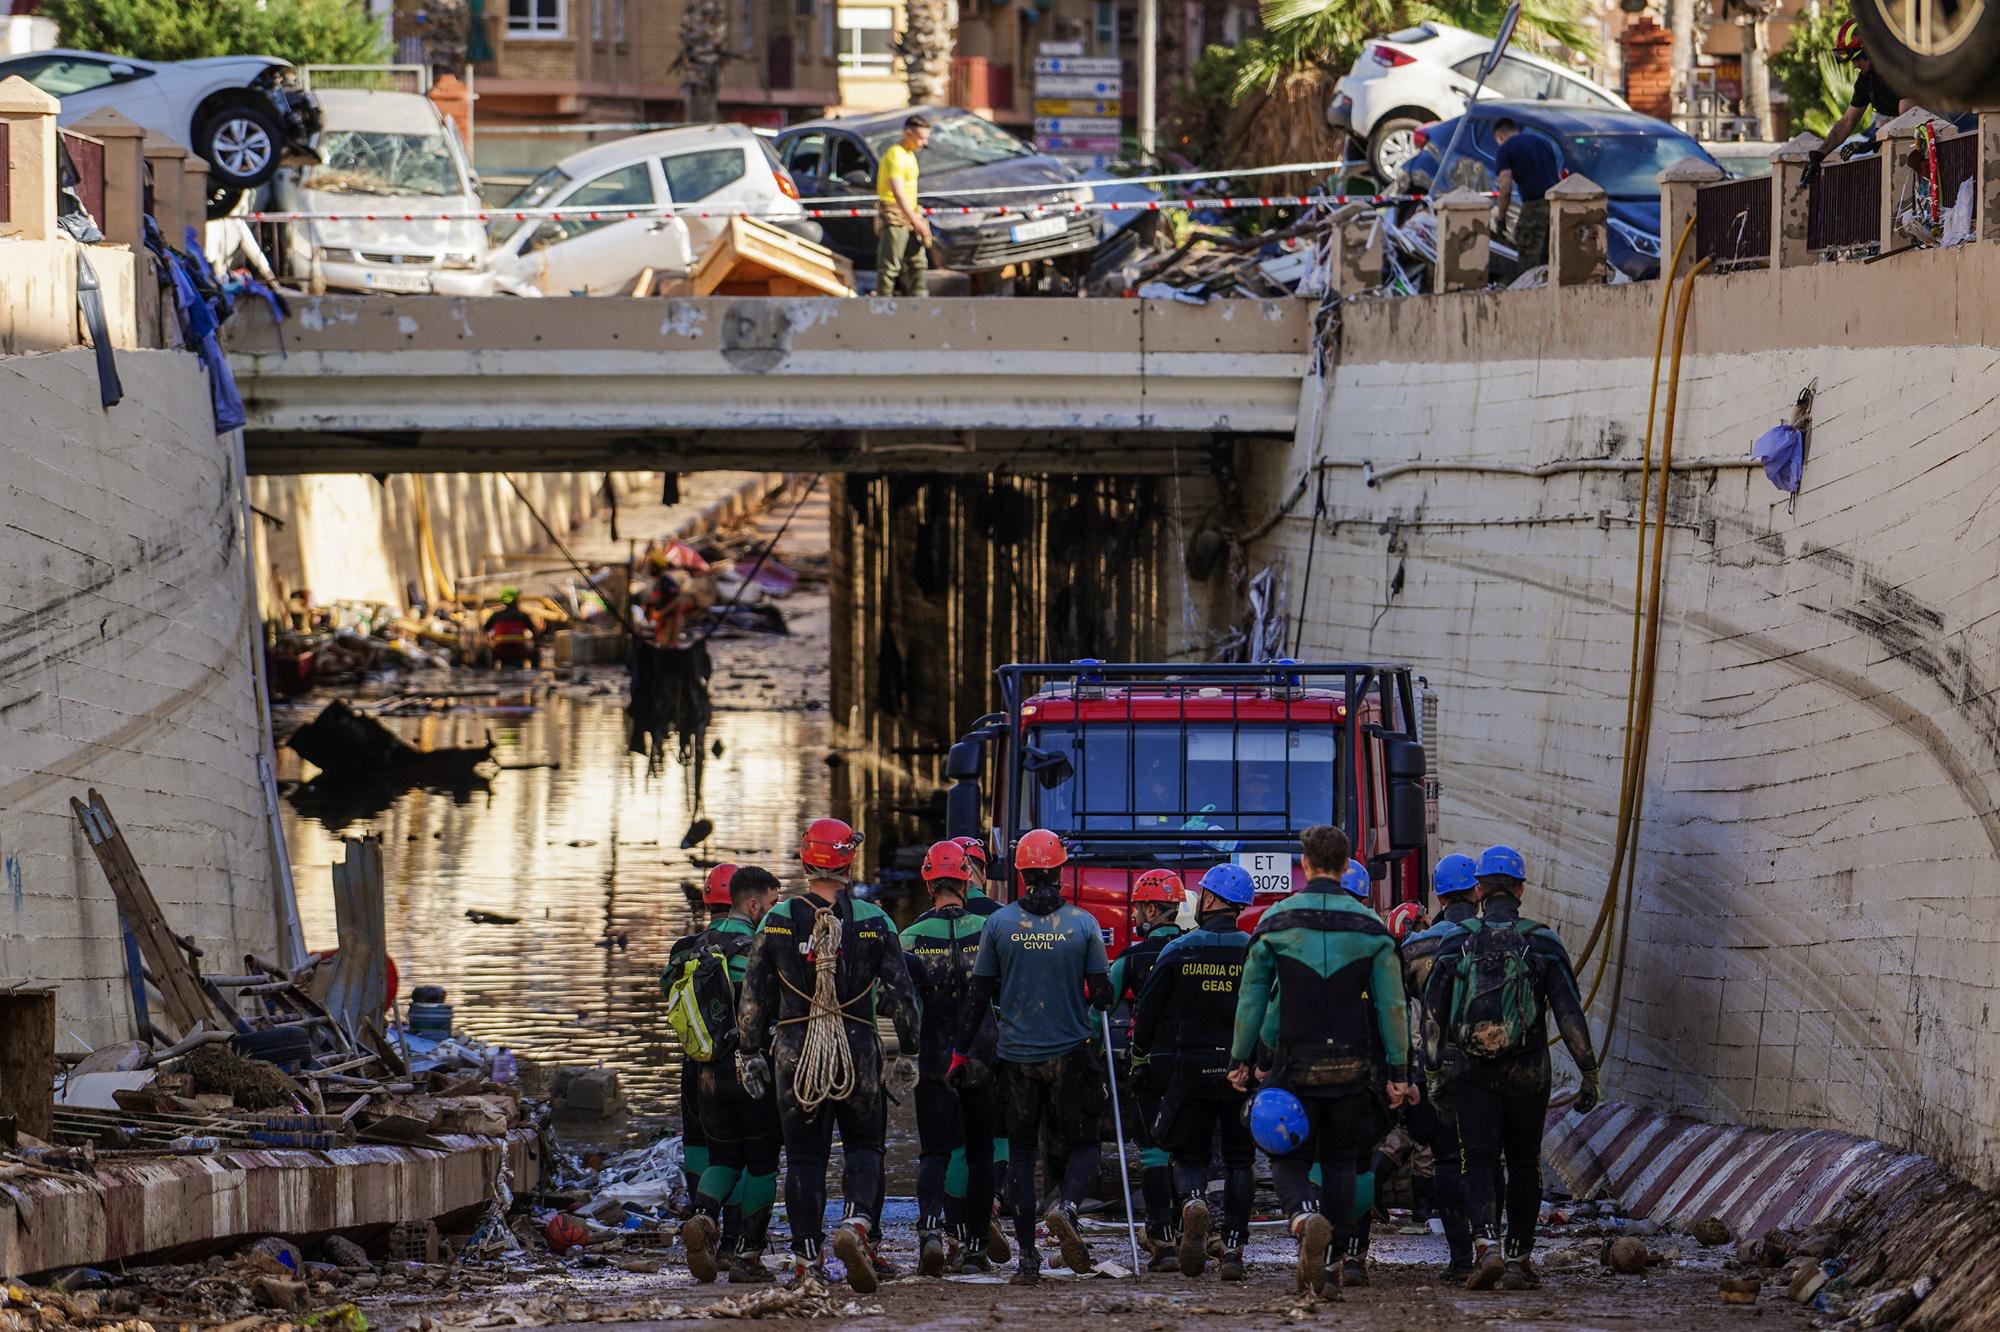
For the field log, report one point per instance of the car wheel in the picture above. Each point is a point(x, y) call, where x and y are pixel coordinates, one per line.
point(241, 143)
point(1392, 143)
point(1944, 54)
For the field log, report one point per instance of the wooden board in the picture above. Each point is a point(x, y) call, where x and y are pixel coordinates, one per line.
point(181, 995)
point(753, 257)
point(360, 977)
point(28, 1058)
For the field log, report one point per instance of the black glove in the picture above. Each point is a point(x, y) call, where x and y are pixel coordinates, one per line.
point(1590, 1092)
point(754, 1073)
point(967, 1074)
point(1814, 161)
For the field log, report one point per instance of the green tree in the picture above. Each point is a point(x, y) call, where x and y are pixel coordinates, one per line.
point(1816, 85)
point(318, 32)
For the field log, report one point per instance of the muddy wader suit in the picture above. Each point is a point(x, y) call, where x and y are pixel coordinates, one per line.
point(740, 1183)
point(1501, 1104)
point(1419, 953)
point(1043, 961)
point(941, 947)
point(1342, 1034)
point(1148, 1081)
point(778, 998)
point(1188, 1010)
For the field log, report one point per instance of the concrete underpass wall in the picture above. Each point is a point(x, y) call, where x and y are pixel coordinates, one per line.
point(1818, 895)
point(124, 665)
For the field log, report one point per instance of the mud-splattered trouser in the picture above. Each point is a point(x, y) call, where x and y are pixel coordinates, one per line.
point(951, 1128)
point(742, 1174)
point(1156, 1175)
point(1343, 1128)
point(1068, 1096)
point(1190, 1128)
point(694, 1139)
point(1501, 1111)
point(808, 1138)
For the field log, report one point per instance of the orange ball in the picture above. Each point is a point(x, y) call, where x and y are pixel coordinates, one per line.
point(565, 1232)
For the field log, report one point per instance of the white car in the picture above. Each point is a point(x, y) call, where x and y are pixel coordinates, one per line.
point(1427, 73)
point(385, 152)
point(720, 167)
point(241, 114)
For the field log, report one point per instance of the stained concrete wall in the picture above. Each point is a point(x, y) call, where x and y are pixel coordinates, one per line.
point(1818, 896)
point(124, 665)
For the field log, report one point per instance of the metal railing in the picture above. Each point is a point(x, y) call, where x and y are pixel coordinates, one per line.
point(1732, 223)
point(1845, 212)
point(367, 78)
point(1957, 162)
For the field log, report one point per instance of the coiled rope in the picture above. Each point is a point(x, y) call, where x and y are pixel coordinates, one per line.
point(825, 1071)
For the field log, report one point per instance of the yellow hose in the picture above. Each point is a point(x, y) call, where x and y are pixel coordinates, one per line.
point(1605, 910)
point(1650, 675)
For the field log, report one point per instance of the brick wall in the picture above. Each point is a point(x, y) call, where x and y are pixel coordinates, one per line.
point(1649, 68)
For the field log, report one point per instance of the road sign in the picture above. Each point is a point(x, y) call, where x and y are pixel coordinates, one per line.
point(1505, 35)
point(1051, 107)
point(1077, 143)
point(1060, 48)
point(1074, 85)
point(1090, 66)
point(1098, 125)
point(1086, 162)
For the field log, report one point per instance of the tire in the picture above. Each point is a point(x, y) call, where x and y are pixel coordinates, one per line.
point(1390, 143)
point(1957, 70)
point(241, 143)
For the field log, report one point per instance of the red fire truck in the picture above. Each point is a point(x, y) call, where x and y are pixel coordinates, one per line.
point(1142, 766)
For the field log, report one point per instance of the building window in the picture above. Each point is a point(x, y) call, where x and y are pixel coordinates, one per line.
point(829, 34)
point(1107, 25)
point(536, 18)
point(746, 26)
point(618, 20)
point(597, 21)
point(867, 38)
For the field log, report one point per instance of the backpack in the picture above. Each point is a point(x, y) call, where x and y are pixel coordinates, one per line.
point(1495, 1008)
point(701, 998)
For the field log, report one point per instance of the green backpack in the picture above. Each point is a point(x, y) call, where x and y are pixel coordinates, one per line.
point(1495, 1010)
point(701, 998)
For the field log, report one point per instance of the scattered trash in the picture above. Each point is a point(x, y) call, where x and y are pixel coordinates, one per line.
point(565, 1232)
point(1739, 1290)
point(1625, 1255)
point(587, 1091)
point(1710, 1231)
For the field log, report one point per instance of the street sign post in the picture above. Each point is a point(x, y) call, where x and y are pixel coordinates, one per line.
point(1079, 104)
point(1442, 183)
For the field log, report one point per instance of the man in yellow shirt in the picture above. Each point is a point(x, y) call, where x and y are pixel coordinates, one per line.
point(901, 231)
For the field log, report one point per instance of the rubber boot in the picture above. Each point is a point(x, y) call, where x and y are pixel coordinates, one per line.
point(850, 1245)
point(1193, 1248)
point(1061, 1221)
point(931, 1254)
point(1231, 1267)
point(1315, 1234)
point(698, 1236)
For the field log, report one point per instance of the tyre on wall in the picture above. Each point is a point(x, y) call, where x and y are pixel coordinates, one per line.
point(1942, 54)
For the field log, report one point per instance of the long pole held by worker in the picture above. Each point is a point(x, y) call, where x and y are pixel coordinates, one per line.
point(1118, 1127)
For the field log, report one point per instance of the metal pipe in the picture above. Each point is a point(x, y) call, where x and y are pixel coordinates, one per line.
point(1372, 477)
point(1149, 77)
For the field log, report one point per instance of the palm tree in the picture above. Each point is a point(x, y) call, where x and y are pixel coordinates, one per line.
point(925, 47)
point(704, 46)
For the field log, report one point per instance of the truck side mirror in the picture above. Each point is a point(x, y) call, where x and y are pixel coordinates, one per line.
point(1406, 764)
point(1405, 758)
point(962, 763)
point(964, 811)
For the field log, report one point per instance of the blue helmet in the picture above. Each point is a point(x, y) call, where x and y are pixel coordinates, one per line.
point(1277, 1121)
point(1355, 881)
point(1455, 874)
point(1502, 862)
point(1231, 883)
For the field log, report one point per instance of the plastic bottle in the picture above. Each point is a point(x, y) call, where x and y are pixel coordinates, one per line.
point(506, 1067)
point(190, 1145)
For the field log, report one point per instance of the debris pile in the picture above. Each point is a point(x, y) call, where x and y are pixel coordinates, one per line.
point(1195, 261)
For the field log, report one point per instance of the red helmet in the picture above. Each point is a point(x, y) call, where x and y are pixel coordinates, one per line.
point(974, 849)
point(1403, 918)
point(1158, 885)
point(945, 860)
point(829, 844)
point(1847, 42)
point(1039, 849)
point(715, 892)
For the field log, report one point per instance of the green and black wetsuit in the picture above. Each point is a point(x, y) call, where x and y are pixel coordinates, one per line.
point(1148, 1080)
point(941, 947)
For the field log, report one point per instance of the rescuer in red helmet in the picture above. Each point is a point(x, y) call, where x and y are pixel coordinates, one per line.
point(1043, 961)
point(825, 963)
point(1869, 91)
point(715, 903)
point(942, 945)
point(976, 900)
point(1156, 902)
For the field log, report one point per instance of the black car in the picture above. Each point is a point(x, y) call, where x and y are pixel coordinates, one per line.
point(836, 159)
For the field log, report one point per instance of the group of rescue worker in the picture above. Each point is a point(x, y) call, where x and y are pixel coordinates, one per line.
point(1312, 1035)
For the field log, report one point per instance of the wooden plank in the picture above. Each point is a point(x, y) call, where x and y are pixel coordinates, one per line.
point(180, 992)
point(751, 252)
point(28, 1059)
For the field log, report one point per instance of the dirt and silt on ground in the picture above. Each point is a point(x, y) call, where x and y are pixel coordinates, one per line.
point(587, 854)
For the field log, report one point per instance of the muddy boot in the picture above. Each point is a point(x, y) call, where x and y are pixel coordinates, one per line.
point(1354, 1270)
point(998, 1250)
point(850, 1245)
point(806, 1270)
point(931, 1257)
point(1488, 1270)
point(699, 1237)
point(1061, 1221)
point(1231, 1267)
point(1027, 1272)
point(749, 1270)
point(1315, 1234)
point(1193, 1248)
point(1521, 1275)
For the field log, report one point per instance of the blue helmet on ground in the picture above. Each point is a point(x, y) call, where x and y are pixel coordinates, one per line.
point(1455, 874)
point(1502, 862)
point(1278, 1121)
point(1354, 880)
point(1231, 883)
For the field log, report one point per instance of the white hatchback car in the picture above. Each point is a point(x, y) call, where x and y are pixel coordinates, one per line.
point(726, 168)
point(1427, 73)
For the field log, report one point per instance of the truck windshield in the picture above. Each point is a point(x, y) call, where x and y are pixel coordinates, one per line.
point(1250, 777)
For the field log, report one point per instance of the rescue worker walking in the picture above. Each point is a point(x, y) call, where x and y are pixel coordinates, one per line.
point(941, 947)
point(1374, 1171)
point(824, 963)
point(1492, 988)
point(1190, 1000)
point(1341, 1043)
point(694, 1138)
point(1043, 960)
point(741, 1128)
point(1452, 885)
point(976, 900)
point(1156, 901)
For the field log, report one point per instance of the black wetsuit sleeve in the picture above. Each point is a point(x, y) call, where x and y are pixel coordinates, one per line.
point(1097, 990)
point(757, 1004)
point(897, 994)
point(978, 1006)
point(1565, 999)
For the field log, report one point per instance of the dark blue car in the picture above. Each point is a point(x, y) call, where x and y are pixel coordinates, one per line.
point(1622, 151)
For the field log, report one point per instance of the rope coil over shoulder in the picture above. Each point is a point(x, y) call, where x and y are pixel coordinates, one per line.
point(825, 1070)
